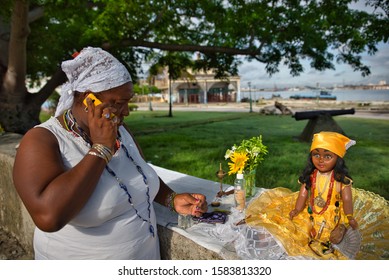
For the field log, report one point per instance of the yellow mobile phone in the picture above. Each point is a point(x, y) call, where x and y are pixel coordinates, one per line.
point(95, 100)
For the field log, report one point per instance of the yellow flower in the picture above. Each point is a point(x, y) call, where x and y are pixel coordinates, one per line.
point(238, 161)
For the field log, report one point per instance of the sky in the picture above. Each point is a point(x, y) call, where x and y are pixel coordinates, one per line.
point(343, 74)
point(254, 72)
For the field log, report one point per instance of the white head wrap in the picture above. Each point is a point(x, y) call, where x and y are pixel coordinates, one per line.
point(92, 69)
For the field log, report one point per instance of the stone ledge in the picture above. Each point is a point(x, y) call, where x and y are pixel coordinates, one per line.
point(14, 218)
point(175, 246)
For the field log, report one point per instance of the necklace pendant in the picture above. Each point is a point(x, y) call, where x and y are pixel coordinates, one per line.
point(319, 201)
point(312, 233)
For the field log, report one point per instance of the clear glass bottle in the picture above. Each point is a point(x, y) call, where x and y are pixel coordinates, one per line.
point(185, 221)
point(239, 193)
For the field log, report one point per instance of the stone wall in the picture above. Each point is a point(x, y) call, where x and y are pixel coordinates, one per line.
point(14, 217)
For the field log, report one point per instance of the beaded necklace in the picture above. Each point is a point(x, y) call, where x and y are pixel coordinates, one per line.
point(327, 203)
point(125, 189)
point(311, 205)
point(319, 201)
point(70, 122)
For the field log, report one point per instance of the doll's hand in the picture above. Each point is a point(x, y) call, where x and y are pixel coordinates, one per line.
point(293, 213)
point(353, 223)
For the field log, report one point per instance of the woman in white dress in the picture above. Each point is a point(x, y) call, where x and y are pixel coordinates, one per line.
point(82, 176)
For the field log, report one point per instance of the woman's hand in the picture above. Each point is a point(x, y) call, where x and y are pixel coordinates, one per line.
point(190, 204)
point(102, 129)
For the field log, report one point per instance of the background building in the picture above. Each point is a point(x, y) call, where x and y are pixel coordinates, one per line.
point(199, 87)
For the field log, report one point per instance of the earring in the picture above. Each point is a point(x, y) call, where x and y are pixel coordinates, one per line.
point(86, 109)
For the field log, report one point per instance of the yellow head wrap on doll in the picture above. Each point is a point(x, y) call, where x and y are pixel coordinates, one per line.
point(332, 141)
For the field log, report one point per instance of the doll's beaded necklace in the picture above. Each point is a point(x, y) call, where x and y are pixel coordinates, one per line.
point(71, 123)
point(311, 205)
point(312, 199)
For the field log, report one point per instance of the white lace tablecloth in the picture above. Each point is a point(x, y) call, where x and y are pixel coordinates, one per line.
point(228, 240)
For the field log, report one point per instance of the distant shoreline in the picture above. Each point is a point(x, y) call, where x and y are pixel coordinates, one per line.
point(302, 88)
point(373, 109)
point(341, 95)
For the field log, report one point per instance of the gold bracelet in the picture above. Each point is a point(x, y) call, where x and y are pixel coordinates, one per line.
point(350, 217)
point(104, 151)
point(102, 148)
point(92, 153)
point(103, 155)
point(170, 202)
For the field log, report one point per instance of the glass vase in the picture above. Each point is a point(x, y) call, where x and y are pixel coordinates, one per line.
point(249, 183)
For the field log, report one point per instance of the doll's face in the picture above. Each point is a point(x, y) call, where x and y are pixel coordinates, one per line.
point(323, 160)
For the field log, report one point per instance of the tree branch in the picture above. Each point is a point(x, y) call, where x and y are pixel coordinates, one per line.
point(57, 79)
point(14, 81)
point(254, 53)
point(35, 14)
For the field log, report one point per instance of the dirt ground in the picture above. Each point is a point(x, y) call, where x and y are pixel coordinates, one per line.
point(10, 249)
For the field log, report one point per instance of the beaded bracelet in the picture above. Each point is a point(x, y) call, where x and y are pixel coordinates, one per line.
point(170, 202)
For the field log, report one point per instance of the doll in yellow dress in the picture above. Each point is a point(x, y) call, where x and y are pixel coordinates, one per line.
point(327, 218)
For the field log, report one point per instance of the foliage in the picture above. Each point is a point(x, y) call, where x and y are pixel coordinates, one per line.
point(145, 89)
point(246, 156)
point(271, 32)
point(132, 107)
point(176, 63)
point(218, 33)
point(53, 100)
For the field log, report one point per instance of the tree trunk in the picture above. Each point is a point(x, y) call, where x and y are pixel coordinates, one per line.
point(13, 92)
point(19, 109)
point(19, 117)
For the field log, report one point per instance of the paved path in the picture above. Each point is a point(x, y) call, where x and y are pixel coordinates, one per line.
point(376, 110)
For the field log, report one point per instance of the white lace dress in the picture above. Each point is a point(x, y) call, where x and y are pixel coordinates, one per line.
point(107, 227)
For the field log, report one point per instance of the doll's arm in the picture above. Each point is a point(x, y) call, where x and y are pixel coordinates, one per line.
point(300, 202)
point(348, 206)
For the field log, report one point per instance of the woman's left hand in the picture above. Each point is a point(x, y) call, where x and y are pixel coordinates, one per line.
point(194, 204)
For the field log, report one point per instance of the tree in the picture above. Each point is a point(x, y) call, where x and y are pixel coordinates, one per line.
point(37, 35)
point(177, 65)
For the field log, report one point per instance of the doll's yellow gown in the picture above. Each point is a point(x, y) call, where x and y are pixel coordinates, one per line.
point(271, 210)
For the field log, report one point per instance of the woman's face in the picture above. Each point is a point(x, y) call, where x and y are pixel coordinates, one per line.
point(118, 98)
point(323, 160)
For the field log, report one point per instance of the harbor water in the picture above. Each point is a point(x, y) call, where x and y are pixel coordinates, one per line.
point(341, 94)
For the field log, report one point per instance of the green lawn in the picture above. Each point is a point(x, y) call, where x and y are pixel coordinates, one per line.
point(195, 142)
